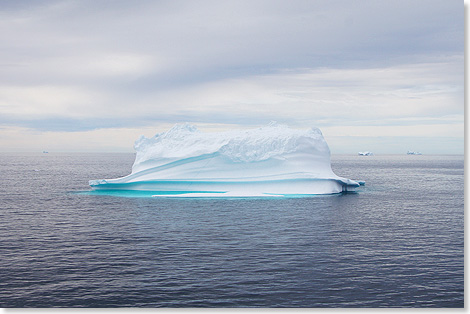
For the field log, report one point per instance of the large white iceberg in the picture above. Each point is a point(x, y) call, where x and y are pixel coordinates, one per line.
point(269, 161)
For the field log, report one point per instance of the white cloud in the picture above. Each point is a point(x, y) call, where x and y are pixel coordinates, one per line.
point(421, 130)
point(36, 102)
point(305, 97)
point(19, 139)
point(332, 64)
point(310, 96)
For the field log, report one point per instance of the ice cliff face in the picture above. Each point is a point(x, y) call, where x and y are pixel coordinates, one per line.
point(269, 160)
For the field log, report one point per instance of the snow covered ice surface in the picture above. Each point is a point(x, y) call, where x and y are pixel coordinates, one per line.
point(273, 160)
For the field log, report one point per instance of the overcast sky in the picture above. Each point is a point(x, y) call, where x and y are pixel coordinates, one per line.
point(386, 76)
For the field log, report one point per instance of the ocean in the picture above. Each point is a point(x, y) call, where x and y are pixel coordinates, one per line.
point(397, 242)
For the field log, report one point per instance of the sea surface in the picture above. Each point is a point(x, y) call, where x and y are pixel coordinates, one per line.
point(398, 242)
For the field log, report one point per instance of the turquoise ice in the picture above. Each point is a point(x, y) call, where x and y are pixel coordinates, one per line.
point(273, 160)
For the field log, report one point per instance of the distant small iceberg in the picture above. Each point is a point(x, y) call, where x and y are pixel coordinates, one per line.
point(365, 154)
point(413, 153)
point(45, 152)
point(269, 161)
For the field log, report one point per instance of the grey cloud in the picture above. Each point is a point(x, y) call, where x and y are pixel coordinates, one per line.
point(68, 124)
point(174, 45)
point(214, 35)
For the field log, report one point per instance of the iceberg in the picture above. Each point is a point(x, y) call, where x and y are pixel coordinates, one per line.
point(273, 160)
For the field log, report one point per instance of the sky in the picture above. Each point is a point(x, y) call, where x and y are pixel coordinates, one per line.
point(92, 76)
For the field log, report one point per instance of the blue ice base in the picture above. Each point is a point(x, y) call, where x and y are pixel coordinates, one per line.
point(304, 187)
point(196, 194)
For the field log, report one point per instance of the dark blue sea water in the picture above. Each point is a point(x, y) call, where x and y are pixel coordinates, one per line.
point(398, 242)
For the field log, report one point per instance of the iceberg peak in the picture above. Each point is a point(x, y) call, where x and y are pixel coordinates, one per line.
point(181, 128)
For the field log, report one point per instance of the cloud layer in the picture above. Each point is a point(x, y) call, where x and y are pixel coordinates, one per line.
point(79, 66)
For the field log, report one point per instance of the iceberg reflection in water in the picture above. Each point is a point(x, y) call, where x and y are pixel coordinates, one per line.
point(270, 161)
